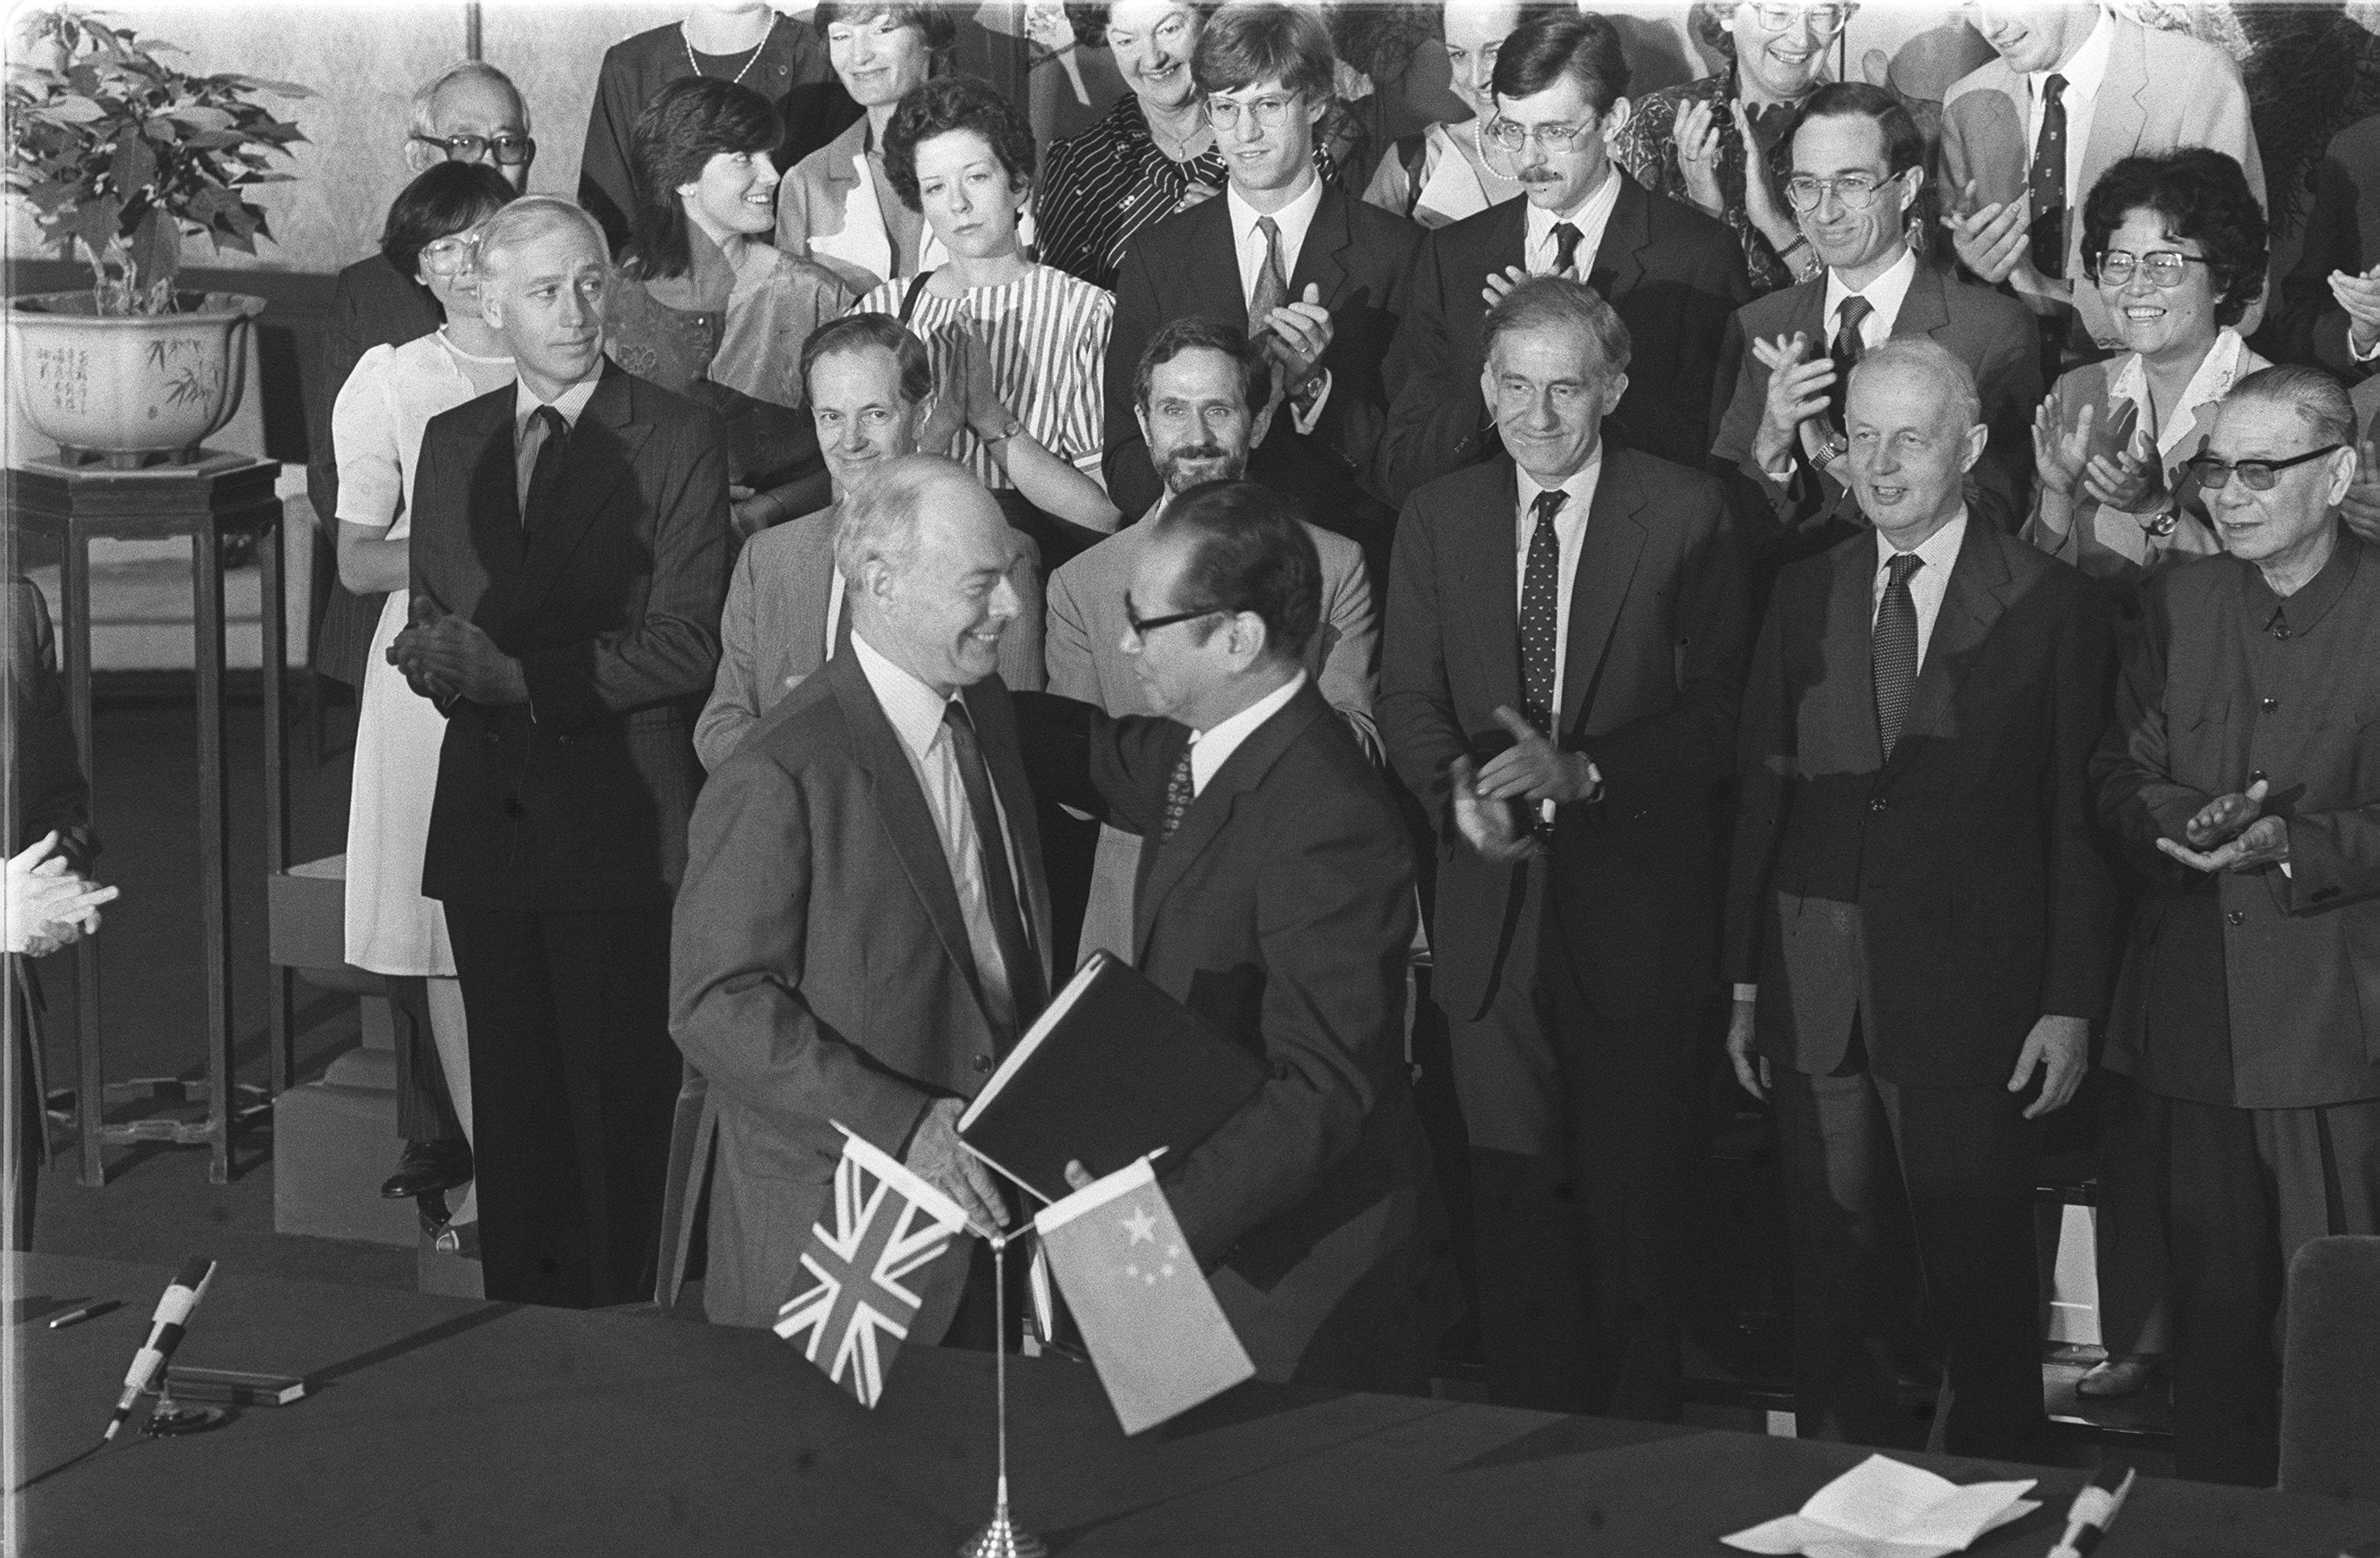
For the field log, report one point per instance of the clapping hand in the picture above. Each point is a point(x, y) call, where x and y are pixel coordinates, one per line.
point(1759, 193)
point(1798, 384)
point(2130, 480)
point(1487, 825)
point(1533, 768)
point(2359, 296)
point(444, 657)
point(48, 905)
point(2230, 834)
point(1294, 337)
point(2060, 454)
point(1697, 138)
point(2360, 507)
point(1496, 284)
point(1995, 242)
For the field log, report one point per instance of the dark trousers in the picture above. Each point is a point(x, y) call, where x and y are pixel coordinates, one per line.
point(1873, 1168)
point(1580, 1133)
point(574, 1080)
point(425, 1110)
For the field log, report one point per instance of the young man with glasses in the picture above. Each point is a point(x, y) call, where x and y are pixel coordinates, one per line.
point(2238, 779)
point(1311, 272)
point(1855, 185)
point(2025, 138)
point(1673, 273)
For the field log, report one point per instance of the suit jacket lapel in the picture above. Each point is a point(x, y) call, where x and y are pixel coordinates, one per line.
point(908, 826)
point(995, 722)
point(1488, 583)
point(1165, 862)
point(595, 471)
point(1618, 267)
point(494, 519)
point(1209, 264)
point(1850, 642)
point(1607, 561)
point(1319, 257)
point(2118, 112)
point(1974, 599)
point(811, 584)
point(1924, 310)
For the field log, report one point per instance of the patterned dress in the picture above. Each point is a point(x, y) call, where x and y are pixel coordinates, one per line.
point(1647, 148)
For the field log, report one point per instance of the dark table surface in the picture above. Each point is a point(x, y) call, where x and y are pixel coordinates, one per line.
point(442, 1424)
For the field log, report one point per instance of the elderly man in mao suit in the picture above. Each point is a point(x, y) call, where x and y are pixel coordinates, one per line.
point(1276, 899)
point(863, 930)
point(1201, 392)
point(1918, 919)
point(2242, 775)
point(2019, 158)
point(570, 554)
point(869, 387)
point(1575, 971)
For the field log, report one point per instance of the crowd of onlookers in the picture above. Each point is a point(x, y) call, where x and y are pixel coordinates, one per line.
point(1880, 583)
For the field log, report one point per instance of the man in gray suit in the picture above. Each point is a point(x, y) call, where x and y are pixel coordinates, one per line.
point(1202, 398)
point(863, 928)
point(871, 389)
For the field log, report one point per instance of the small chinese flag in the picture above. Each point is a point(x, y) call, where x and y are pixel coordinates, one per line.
point(872, 1269)
point(1154, 1330)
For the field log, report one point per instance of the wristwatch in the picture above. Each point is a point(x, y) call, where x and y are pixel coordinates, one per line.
point(1004, 434)
point(1834, 448)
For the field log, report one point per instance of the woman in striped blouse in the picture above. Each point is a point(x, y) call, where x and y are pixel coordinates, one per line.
point(1019, 350)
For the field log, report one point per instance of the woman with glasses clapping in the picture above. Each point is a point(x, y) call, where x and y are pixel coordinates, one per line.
point(432, 236)
point(2176, 246)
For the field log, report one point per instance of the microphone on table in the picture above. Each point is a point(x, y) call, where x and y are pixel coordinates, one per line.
point(2095, 1510)
point(165, 1329)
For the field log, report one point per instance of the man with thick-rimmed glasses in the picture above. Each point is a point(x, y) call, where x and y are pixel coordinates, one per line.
point(1856, 180)
point(2238, 779)
point(469, 112)
point(1673, 275)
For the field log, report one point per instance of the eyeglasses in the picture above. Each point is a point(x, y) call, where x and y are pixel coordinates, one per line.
point(1142, 626)
point(1857, 191)
point(2165, 266)
point(511, 151)
point(450, 255)
point(1223, 113)
point(1556, 139)
point(2213, 472)
point(1825, 20)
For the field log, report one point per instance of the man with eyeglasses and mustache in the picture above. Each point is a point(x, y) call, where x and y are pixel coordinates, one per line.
point(2239, 777)
point(471, 113)
point(2025, 138)
point(1673, 275)
point(1313, 273)
point(1202, 390)
point(1856, 179)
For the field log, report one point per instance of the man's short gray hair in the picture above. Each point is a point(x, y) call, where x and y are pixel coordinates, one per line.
point(525, 220)
point(1543, 302)
point(2315, 395)
point(880, 520)
point(462, 70)
point(1953, 380)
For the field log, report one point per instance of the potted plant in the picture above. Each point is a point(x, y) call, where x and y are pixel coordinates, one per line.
point(121, 154)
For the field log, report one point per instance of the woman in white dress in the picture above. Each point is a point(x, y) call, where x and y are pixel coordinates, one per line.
point(1019, 348)
point(376, 427)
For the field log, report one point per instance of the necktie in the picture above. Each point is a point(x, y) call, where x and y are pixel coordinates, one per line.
point(1178, 793)
point(2048, 181)
point(1848, 347)
point(542, 440)
point(1540, 609)
point(1272, 283)
point(1565, 247)
point(1024, 992)
point(1894, 652)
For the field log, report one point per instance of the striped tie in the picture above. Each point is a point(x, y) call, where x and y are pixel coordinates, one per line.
point(1894, 652)
point(1179, 793)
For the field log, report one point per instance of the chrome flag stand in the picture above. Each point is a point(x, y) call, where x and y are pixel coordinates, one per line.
point(1000, 1538)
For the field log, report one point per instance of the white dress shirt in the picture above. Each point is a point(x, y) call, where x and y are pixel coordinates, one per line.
point(915, 710)
point(1210, 749)
point(571, 403)
point(1884, 293)
point(1929, 584)
point(2083, 73)
point(1292, 219)
point(1594, 214)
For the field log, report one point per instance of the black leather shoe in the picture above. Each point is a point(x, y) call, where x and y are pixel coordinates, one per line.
point(428, 1166)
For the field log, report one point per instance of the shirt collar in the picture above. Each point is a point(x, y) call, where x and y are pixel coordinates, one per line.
point(1592, 215)
point(2086, 69)
point(571, 402)
point(2308, 606)
point(1293, 218)
point(914, 709)
point(1210, 749)
point(1937, 551)
point(1884, 294)
point(2211, 383)
point(1580, 484)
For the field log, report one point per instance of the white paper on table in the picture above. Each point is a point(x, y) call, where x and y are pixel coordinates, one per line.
point(1883, 1509)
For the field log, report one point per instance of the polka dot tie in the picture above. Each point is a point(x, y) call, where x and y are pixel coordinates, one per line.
point(1566, 238)
point(1894, 652)
point(1848, 347)
point(2048, 181)
point(1179, 793)
point(1540, 610)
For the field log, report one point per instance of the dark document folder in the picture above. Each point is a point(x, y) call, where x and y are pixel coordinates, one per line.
point(1114, 1069)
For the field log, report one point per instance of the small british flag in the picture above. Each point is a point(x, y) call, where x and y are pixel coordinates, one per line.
point(873, 1271)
